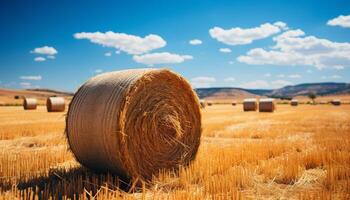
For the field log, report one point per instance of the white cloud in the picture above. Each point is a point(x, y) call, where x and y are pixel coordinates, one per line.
point(39, 59)
point(282, 25)
point(280, 75)
point(51, 57)
point(202, 81)
point(292, 49)
point(108, 54)
point(225, 50)
point(32, 78)
point(267, 75)
point(341, 20)
point(117, 52)
point(338, 67)
point(335, 77)
point(261, 84)
point(25, 84)
point(258, 84)
point(130, 44)
point(161, 58)
point(98, 71)
point(240, 36)
point(195, 42)
point(294, 76)
point(45, 50)
point(231, 62)
point(229, 79)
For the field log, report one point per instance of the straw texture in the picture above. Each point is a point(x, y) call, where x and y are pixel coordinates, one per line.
point(134, 122)
point(29, 103)
point(249, 105)
point(55, 104)
point(266, 105)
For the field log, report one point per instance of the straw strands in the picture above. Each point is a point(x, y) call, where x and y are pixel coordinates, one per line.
point(55, 104)
point(134, 122)
point(249, 104)
point(266, 105)
point(29, 103)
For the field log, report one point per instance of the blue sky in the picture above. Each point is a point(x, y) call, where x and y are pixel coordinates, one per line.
point(250, 44)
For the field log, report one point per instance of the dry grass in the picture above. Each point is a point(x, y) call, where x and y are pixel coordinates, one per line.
point(295, 153)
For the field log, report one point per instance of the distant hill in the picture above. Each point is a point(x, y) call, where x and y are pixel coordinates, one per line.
point(320, 89)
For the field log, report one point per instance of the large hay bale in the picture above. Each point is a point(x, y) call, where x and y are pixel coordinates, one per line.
point(29, 103)
point(134, 122)
point(336, 102)
point(234, 103)
point(266, 105)
point(55, 104)
point(249, 104)
point(202, 103)
point(294, 102)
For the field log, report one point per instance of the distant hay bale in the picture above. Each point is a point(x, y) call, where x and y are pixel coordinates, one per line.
point(336, 102)
point(29, 103)
point(202, 103)
point(17, 97)
point(234, 103)
point(134, 122)
point(249, 104)
point(209, 103)
point(55, 104)
point(294, 102)
point(267, 105)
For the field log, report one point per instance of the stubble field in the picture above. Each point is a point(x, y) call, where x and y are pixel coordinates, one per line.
point(294, 153)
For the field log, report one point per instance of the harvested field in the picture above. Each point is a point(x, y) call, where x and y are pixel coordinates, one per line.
point(294, 153)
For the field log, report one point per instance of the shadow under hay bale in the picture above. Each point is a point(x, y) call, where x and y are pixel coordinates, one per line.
point(55, 104)
point(30, 103)
point(249, 104)
point(267, 105)
point(144, 123)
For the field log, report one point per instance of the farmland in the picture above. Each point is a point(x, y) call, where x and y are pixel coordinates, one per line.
point(296, 153)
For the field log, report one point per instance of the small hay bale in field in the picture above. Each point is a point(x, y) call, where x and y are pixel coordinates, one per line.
point(234, 103)
point(17, 97)
point(336, 102)
point(202, 103)
point(294, 102)
point(249, 104)
point(29, 103)
point(266, 105)
point(55, 104)
point(209, 103)
point(134, 123)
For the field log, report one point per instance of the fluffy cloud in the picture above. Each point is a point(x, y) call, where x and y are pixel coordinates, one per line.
point(202, 81)
point(45, 50)
point(32, 78)
point(294, 76)
point(161, 58)
point(130, 44)
point(39, 59)
point(195, 42)
point(108, 54)
point(225, 50)
point(343, 21)
point(229, 80)
point(292, 48)
point(261, 84)
point(240, 36)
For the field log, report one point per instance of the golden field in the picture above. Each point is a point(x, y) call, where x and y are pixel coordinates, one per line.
point(294, 153)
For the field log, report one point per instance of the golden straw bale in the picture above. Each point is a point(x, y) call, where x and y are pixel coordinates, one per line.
point(55, 104)
point(134, 122)
point(249, 104)
point(29, 103)
point(267, 105)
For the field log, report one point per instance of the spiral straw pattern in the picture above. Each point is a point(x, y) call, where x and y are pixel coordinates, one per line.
point(134, 122)
point(55, 104)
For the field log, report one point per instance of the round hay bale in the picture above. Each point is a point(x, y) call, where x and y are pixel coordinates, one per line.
point(336, 102)
point(209, 103)
point(29, 103)
point(134, 122)
point(55, 104)
point(249, 105)
point(234, 103)
point(202, 103)
point(267, 105)
point(294, 102)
